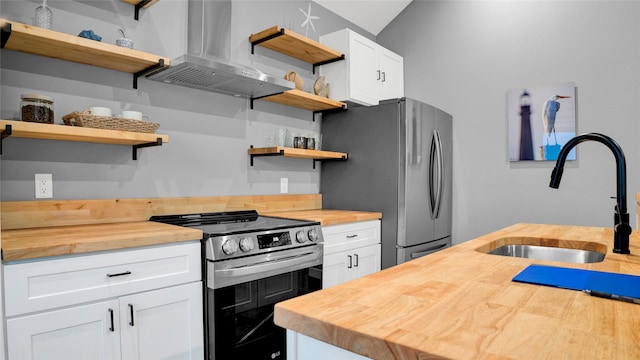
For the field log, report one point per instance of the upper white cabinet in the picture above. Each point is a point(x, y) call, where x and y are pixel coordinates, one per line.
point(370, 73)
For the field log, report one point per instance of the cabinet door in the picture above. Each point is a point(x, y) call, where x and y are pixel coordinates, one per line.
point(80, 332)
point(366, 261)
point(363, 70)
point(335, 269)
point(391, 83)
point(163, 324)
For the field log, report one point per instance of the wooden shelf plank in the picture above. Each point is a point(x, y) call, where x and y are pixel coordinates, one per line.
point(136, 2)
point(304, 100)
point(39, 41)
point(295, 45)
point(30, 130)
point(298, 153)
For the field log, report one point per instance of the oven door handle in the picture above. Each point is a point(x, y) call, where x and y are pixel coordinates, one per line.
point(269, 265)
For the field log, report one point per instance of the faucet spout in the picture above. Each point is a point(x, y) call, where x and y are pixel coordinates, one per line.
point(621, 227)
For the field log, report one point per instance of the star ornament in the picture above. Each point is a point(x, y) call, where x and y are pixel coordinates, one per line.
point(308, 20)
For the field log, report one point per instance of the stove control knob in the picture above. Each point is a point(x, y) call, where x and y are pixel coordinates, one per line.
point(313, 235)
point(230, 246)
point(246, 244)
point(301, 236)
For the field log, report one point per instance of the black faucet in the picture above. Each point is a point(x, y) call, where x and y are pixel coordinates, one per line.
point(621, 228)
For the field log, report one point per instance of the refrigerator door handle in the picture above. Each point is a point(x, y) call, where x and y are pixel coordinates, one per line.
point(436, 174)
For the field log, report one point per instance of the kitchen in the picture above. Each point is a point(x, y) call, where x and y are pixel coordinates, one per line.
point(462, 57)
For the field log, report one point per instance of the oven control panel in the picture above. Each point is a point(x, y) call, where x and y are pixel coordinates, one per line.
point(274, 239)
point(230, 246)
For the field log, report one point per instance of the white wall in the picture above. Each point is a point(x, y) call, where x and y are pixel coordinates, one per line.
point(209, 134)
point(463, 56)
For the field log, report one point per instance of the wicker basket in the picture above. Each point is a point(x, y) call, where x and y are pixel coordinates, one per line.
point(85, 119)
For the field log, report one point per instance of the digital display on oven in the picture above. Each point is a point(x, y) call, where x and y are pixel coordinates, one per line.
point(274, 240)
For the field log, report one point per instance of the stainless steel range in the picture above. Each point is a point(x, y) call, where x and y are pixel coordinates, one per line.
point(250, 262)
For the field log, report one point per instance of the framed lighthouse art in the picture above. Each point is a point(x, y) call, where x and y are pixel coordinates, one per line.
point(540, 120)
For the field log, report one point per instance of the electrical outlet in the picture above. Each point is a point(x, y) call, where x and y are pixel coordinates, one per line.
point(44, 186)
point(284, 185)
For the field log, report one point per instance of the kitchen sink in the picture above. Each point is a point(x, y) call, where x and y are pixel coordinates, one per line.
point(549, 253)
point(571, 251)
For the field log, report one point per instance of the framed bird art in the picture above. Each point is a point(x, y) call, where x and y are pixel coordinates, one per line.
point(540, 120)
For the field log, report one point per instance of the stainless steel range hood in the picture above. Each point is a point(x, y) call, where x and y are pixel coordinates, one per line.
point(206, 66)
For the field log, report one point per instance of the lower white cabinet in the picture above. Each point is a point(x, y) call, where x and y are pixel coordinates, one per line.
point(302, 347)
point(351, 251)
point(79, 332)
point(163, 323)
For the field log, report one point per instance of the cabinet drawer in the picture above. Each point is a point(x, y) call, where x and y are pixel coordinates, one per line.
point(349, 236)
point(55, 282)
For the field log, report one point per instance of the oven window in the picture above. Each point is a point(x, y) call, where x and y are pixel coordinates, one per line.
point(243, 315)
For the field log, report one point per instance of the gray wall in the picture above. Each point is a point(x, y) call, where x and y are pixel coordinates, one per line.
point(463, 56)
point(209, 134)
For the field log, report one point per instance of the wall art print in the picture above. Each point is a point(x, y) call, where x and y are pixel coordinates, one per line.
point(540, 121)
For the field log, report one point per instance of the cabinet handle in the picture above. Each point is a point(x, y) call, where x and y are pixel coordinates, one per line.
point(112, 327)
point(131, 313)
point(356, 262)
point(119, 274)
point(352, 236)
point(350, 262)
point(384, 77)
point(378, 75)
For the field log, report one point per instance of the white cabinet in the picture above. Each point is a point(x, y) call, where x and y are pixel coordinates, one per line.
point(350, 251)
point(130, 304)
point(370, 72)
point(302, 347)
point(80, 332)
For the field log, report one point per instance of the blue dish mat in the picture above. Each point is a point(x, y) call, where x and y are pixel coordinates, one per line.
point(579, 279)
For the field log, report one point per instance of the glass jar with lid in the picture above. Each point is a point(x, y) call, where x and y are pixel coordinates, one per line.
point(36, 108)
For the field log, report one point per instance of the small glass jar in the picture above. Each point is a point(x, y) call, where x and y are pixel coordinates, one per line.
point(36, 108)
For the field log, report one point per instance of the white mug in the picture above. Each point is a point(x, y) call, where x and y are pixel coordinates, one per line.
point(100, 111)
point(130, 114)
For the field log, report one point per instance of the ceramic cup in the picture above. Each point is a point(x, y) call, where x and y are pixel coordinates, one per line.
point(124, 42)
point(129, 114)
point(100, 111)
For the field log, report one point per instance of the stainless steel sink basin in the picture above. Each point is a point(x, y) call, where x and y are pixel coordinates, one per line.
point(549, 253)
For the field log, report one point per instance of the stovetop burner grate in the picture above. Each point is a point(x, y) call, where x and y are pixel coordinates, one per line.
point(207, 218)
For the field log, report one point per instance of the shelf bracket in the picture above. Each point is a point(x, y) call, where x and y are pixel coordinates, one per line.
point(279, 153)
point(343, 107)
point(343, 158)
point(266, 38)
point(6, 32)
point(139, 146)
point(4, 134)
point(139, 6)
point(151, 68)
point(341, 57)
point(251, 100)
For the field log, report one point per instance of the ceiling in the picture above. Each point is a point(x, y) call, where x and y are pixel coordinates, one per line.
point(371, 15)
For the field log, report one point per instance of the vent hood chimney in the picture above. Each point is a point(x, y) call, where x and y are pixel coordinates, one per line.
point(206, 66)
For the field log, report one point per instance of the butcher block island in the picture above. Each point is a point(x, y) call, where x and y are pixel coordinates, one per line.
point(460, 303)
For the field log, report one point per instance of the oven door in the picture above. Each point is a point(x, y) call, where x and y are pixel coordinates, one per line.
point(223, 273)
point(240, 314)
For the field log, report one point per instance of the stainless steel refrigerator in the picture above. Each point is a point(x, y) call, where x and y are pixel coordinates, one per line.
point(399, 163)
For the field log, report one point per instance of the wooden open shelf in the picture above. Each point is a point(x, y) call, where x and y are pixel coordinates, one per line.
point(304, 100)
point(34, 40)
point(295, 45)
point(31, 130)
point(139, 4)
point(315, 155)
point(144, 4)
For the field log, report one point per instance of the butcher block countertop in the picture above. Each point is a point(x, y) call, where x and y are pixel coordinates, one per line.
point(29, 243)
point(63, 240)
point(460, 303)
point(326, 216)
